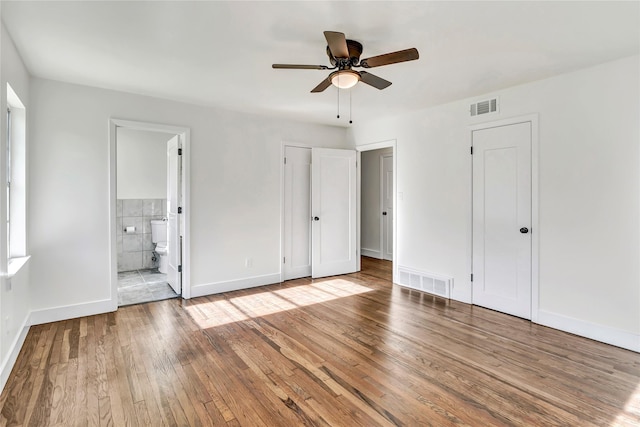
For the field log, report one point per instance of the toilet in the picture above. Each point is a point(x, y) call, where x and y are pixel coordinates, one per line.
point(159, 237)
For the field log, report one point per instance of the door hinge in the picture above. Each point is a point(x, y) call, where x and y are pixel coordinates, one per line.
point(472, 151)
point(284, 260)
point(180, 210)
point(179, 269)
point(472, 277)
point(285, 160)
point(179, 151)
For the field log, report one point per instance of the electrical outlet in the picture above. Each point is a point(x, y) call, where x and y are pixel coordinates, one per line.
point(248, 262)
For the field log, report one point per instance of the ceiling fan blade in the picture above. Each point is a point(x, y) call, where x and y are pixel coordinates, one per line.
point(373, 80)
point(322, 86)
point(337, 44)
point(300, 67)
point(390, 58)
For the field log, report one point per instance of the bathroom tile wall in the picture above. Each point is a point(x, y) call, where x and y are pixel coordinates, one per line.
point(135, 249)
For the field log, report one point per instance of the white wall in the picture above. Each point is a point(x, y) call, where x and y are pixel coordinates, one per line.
point(589, 178)
point(370, 203)
point(14, 292)
point(235, 190)
point(141, 164)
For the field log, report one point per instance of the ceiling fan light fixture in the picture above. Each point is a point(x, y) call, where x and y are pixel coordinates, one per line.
point(345, 79)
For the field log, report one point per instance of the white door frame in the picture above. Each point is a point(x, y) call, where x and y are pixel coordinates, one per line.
point(370, 147)
point(535, 235)
point(184, 134)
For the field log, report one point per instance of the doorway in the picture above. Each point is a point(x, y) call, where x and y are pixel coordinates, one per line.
point(141, 213)
point(503, 219)
point(376, 206)
point(149, 202)
point(378, 202)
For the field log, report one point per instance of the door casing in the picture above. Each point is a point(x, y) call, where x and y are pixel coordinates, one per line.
point(184, 134)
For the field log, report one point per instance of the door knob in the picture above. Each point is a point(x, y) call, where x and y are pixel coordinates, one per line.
point(384, 213)
point(315, 218)
point(524, 230)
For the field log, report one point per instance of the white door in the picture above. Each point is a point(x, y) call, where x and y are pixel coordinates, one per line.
point(387, 206)
point(333, 209)
point(502, 218)
point(174, 174)
point(297, 213)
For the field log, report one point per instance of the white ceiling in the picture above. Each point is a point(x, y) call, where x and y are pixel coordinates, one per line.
point(220, 53)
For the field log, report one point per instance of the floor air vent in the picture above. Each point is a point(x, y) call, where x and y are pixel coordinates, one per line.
point(427, 282)
point(484, 107)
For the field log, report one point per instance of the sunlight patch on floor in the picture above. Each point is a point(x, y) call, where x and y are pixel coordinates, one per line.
point(224, 311)
point(631, 413)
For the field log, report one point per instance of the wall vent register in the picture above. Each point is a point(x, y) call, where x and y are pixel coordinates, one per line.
point(427, 282)
point(484, 107)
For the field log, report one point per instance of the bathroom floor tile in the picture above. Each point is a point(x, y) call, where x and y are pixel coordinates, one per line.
point(139, 286)
point(163, 292)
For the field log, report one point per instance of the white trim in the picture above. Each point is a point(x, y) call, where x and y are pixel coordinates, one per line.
point(371, 253)
point(15, 265)
point(392, 143)
point(594, 331)
point(535, 232)
point(358, 211)
point(12, 355)
point(234, 285)
point(376, 145)
point(185, 138)
point(73, 311)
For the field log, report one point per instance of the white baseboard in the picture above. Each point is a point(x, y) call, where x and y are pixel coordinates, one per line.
point(234, 285)
point(12, 354)
point(67, 312)
point(594, 331)
point(371, 253)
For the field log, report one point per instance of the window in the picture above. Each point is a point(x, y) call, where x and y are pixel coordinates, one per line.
point(16, 167)
point(8, 157)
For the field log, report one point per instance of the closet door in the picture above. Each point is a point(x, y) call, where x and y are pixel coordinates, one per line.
point(333, 212)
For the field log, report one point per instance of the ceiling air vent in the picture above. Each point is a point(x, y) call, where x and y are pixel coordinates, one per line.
point(484, 107)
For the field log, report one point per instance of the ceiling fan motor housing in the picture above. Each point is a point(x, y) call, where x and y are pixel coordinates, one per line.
point(355, 50)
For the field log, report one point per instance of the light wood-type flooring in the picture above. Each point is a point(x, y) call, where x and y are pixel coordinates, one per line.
point(350, 350)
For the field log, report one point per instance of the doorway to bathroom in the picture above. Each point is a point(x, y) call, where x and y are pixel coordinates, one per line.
point(148, 212)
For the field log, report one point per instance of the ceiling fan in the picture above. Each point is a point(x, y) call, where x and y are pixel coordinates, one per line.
point(344, 55)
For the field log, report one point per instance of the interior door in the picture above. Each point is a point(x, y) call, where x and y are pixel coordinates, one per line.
point(502, 218)
point(387, 206)
point(174, 184)
point(333, 211)
point(297, 213)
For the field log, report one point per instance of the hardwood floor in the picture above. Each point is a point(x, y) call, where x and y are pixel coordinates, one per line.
point(343, 351)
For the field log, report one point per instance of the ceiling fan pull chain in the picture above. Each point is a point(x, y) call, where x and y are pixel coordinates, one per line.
point(350, 121)
point(338, 99)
